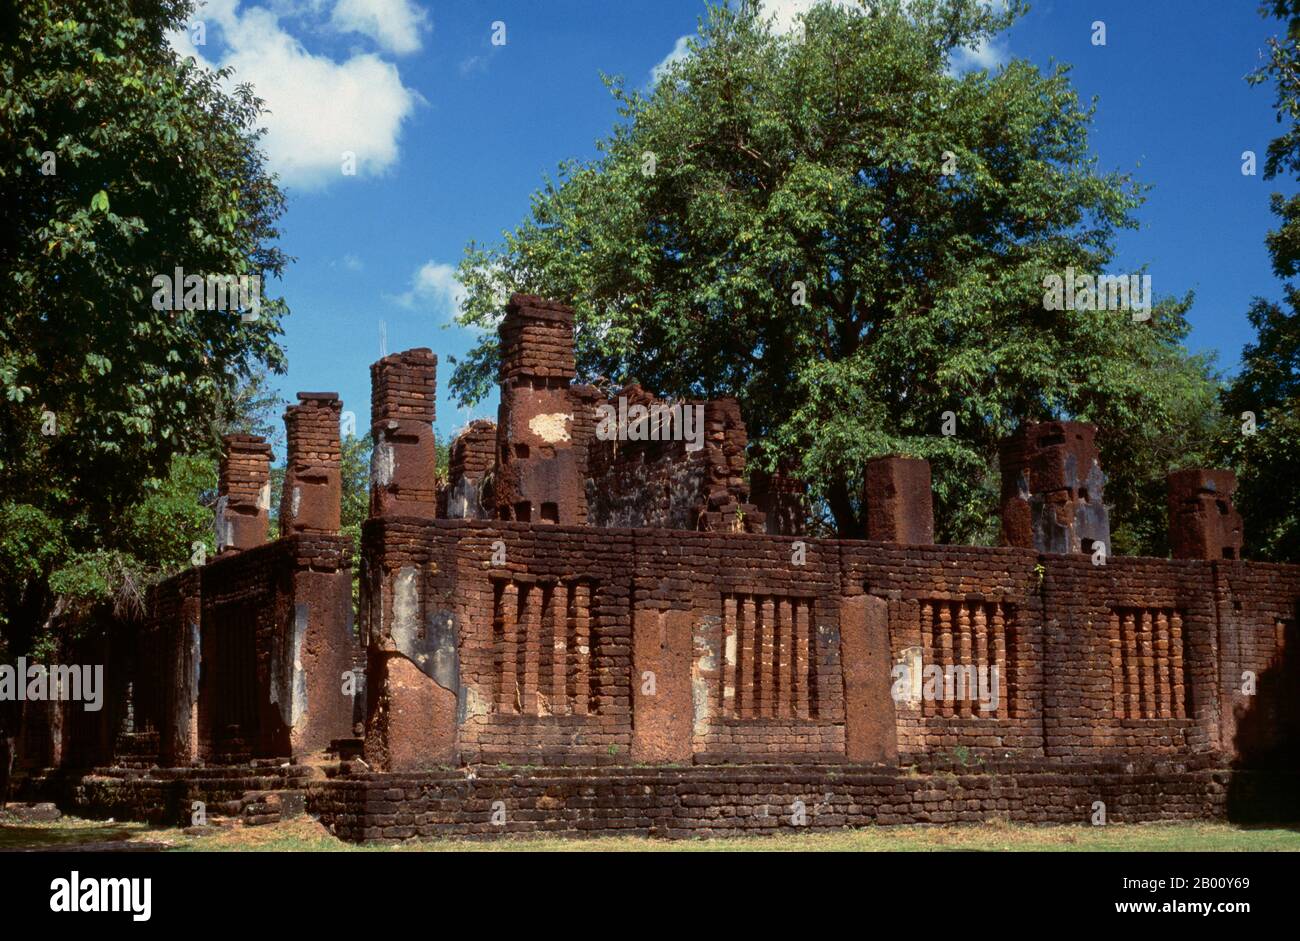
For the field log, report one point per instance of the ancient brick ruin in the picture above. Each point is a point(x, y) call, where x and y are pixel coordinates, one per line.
point(605, 633)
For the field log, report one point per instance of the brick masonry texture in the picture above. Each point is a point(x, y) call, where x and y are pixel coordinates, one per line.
point(730, 801)
point(611, 633)
point(747, 648)
point(243, 492)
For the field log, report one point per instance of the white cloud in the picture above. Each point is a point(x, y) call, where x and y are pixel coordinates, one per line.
point(784, 16)
point(785, 13)
point(986, 55)
point(434, 285)
point(396, 25)
point(679, 52)
point(320, 109)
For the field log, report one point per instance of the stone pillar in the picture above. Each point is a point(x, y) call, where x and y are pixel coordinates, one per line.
point(177, 632)
point(412, 675)
point(726, 506)
point(662, 705)
point(243, 492)
point(473, 453)
point(316, 648)
point(899, 502)
point(541, 469)
point(403, 406)
point(1203, 522)
point(1052, 484)
point(311, 502)
point(870, 722)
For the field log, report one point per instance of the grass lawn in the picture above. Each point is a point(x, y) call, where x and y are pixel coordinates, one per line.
point(305, 835)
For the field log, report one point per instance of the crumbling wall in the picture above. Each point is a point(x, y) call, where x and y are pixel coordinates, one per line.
point(1258, 609)
point(782, 501)
point(165, 676)
point(541, 458)
point(243, 492)
point(670, 465)
point(275, 641)
point(403, 406)
point(1133, 653)
point(468, 493)
point(310, 502)
point(531, 619)
point(1203, 522)
point(1053, 489)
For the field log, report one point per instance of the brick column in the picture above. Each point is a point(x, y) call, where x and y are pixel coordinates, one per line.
point(243, 492)
point(899, 501)
point(541, 467)
point(1203, 522)
point(782, 500)
point(1052, 486)
point(870, 722)
point(311, 502)
point(662, 720)
point(473, 454)
point(403, 406)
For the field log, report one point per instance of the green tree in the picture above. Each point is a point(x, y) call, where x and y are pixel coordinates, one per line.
point(914, 212)
point(118, 162)
point(1268, 385)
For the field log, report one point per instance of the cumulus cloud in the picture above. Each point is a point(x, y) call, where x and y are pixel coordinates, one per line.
point(986, 55)
point(434, 286)
point(785, 14)
point(784, 17)
point(319, 109)
point(680, 51)
point(396, 25)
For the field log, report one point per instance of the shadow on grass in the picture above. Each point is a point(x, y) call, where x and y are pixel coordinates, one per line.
point(89, 838)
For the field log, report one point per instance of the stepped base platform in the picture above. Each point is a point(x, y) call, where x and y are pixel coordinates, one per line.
point(721, 800)
point(675, 802)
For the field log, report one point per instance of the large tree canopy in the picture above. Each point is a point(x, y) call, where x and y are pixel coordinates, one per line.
point(1268, 386)
point(118, 162)
point(915, 213)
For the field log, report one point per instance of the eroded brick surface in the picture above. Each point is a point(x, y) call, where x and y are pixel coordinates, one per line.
point(610, 633)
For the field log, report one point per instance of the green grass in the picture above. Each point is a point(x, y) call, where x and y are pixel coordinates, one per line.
point(305, 835)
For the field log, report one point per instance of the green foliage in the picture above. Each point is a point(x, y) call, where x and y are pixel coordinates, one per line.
point(1268, 385)
point(355, 474)
point(155, 168)
point(1268, 462)
point(821, 162)
point(118, 162)
point(162, 529)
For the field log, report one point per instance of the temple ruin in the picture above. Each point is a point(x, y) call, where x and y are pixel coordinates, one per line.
point(581, 633)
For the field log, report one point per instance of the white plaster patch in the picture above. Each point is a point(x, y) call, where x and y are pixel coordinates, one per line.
point(406, 608)
point(475, 705)
point(382, 463)
point(222, 524)
point(551, 427)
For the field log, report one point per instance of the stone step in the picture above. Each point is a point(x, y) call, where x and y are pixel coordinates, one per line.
point(258, 808)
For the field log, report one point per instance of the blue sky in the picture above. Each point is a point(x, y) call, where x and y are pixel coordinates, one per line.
point(452, 134)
